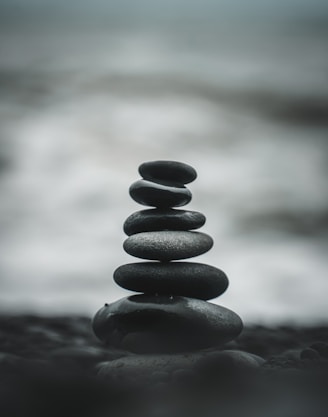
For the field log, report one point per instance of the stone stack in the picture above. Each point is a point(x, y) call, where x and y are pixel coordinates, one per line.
point(172, 314)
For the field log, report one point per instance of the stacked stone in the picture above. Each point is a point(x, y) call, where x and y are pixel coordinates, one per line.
point(172, 314)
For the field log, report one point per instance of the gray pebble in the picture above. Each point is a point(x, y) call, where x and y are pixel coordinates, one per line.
point(183, 376)
point(160, 376)
point(228, 360)
point(167, 171)
point(321, 348)
point(148, 365)
point(168, 245)
point(159, 195)
point(189, 279)
point(310, 354)
point(163, 219)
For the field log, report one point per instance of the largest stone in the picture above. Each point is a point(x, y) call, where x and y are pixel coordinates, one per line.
point(165, 324)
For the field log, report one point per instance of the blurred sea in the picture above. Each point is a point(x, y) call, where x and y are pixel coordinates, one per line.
point(84, 102)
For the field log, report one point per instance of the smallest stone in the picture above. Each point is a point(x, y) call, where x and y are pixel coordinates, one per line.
point(167, 171)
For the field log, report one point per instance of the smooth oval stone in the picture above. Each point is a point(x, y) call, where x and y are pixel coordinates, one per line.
point(219, 362)
point(321, 348)
point(165, 219)
point(167, 171)
point(166, 366)
point(167, 245)
point(146, 365)
point(10, 363)
point(165, 324)
point(79, 355)
point(310, 354)
point(159, 195)
point(189, 279)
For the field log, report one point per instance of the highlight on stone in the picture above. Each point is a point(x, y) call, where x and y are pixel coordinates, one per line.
point(171, 315)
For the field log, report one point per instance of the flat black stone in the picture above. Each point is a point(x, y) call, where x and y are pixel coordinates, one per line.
point(165, 324)
point(167, 245)
point(189, 279)
point(167, 171)
point(159, 195)
point(162, 219)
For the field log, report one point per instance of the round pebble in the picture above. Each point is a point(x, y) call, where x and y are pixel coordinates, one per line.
point(165, 324)
point(321, 348)
point(228, 360)
point(189, 279)
point(183, 376)
point(82, 355)
point(160, 376)
point(159, 195)
point(9, 363)
point(167, 245)
point(163, 219)
point(154, 367)
point(171, 171)
point(310, 354)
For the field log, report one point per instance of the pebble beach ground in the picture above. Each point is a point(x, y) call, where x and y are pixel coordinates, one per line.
point(51, 366)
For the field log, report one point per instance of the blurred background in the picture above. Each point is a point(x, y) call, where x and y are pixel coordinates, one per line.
point(91, 89)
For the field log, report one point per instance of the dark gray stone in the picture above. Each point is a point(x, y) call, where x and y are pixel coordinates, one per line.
point(148, 366)
point(165, 324)
point(9, 363)
point(183, 376)
point(181, 367)
point(159, 195)
point(189, 279)
point(83, 355)
point(167, 171)
point(167, 245)
point(76, 357)
point(160, 376)
point(219, 362)
point(321, 348)
point(166, 219)
point(310, 354)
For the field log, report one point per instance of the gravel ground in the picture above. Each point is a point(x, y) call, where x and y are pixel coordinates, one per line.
point(54, 366)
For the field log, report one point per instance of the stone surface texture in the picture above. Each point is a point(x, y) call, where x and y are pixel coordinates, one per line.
point(189, 279)
point(159, 195)
point(167, 171)
point(165, 324)
point(163, 219)
point(168, 245)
